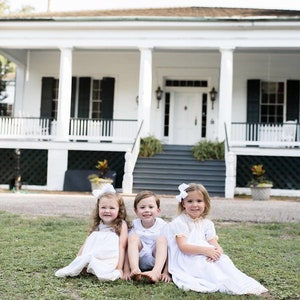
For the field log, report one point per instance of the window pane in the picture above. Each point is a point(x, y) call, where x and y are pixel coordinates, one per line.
point(272, 110)
point(272, 98)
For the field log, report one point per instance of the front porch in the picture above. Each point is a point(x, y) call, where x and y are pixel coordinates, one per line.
point(90, 140)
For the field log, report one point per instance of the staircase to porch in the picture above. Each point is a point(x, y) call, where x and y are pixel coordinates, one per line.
point(165, 171)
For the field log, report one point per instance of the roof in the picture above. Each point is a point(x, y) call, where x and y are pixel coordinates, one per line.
point(162, 13)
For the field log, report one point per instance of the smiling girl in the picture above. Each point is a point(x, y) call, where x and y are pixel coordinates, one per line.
point(103, 252)
point(196, 260)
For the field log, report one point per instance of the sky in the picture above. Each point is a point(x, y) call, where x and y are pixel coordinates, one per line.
point(69, 5)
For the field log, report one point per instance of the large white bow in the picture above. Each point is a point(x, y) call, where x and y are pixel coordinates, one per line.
point(107, 188)
point(183, 193)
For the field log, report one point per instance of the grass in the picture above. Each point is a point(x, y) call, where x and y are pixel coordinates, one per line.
point(32, 249)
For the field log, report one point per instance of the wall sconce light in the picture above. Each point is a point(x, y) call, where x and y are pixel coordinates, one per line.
point(213, 95)
point(159, 92)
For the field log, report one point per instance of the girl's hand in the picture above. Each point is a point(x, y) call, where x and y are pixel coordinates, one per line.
point(214, 253)
point(126, 276)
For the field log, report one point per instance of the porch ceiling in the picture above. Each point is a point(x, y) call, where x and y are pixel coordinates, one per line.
point(21, 54)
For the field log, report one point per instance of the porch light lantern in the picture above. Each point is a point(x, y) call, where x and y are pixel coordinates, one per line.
point(213, 96)
point(159, 92)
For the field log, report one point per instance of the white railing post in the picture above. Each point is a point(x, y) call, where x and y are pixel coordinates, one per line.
point(130, 160)
point(230, 181)
point(127, 177)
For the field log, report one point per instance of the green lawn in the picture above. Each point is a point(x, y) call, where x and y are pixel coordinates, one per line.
point(32, 249)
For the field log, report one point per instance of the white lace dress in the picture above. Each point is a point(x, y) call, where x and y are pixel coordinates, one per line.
point(194, 272)
point(100, 255)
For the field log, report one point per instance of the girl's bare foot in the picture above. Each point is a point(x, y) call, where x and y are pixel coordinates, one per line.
point(152, 276)
point(136, 274)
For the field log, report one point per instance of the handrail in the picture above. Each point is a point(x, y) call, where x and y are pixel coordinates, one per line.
point(226, 138)
point(137, 136)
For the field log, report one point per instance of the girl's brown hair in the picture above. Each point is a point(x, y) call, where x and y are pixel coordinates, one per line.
point(145, 194)
point(200, 188)
point(117, 223)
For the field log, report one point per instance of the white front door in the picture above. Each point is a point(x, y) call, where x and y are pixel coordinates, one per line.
point(186, 118)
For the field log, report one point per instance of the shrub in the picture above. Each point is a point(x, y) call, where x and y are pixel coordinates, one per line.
point(150, 146)
point(209, 150)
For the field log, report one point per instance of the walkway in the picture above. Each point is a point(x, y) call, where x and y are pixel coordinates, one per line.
point(82, 204)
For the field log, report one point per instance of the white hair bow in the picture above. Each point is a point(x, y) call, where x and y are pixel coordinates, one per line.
point(183, 193)
point(107, 188)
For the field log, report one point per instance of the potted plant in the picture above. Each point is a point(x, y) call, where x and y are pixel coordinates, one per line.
point(260, 186)
point(100, 179)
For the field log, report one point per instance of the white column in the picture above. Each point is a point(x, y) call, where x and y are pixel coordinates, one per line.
point(57, 165)
point(19, 90)
point(145, 90)
point(225, 93)
point(64, 94)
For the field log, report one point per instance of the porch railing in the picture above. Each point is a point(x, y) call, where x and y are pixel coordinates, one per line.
point(24, 128)
point(265, 135)
point(112, 130)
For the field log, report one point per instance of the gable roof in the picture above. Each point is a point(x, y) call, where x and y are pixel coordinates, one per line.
point(198, 13)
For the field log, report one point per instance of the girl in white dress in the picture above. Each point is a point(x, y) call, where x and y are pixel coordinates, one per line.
point(103, 252)
point(196, 260)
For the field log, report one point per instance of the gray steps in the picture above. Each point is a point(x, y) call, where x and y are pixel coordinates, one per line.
point(165, 171)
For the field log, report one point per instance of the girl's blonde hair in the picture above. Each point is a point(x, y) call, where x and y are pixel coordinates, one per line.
point(200, 188)
point(117, 223)
point(145, 194)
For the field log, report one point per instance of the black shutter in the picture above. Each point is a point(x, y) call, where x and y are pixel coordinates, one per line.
point(253, 97)
point(107, 97)
point(47, 97)
point(73, 96)
point(293, 100)
point(84, 97)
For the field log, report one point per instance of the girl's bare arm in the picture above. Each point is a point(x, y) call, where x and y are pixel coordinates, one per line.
point(122, 246)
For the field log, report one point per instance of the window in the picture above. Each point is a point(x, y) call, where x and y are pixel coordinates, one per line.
point(55, 99)
point(96, 99)
point(272, 102)
point(204, 115)
point(167, 114)
point(186, 83)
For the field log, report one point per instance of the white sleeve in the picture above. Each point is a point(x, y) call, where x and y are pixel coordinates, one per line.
point(210, 231)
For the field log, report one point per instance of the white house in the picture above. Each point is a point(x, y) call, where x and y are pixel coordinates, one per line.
point(86, 82)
